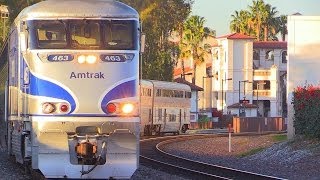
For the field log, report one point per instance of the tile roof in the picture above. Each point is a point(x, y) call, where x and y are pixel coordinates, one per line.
point(192, 86)
point(236, 36)
point(270, 44)
point(178, 71)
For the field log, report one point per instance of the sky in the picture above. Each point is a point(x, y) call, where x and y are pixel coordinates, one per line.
point(217, 13)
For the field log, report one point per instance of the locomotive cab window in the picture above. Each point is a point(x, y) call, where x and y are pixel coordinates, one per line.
point(83, 34)
point(48, 35)
point(119, 35)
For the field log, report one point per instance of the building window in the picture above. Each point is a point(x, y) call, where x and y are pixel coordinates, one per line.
point(256, 55)
point(261, 85)
point(215, 55)
point(284, 56)
point(270, 55)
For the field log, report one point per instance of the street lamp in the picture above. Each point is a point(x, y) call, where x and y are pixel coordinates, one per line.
point(244, 92)
point(222, 92)
point(209, 76)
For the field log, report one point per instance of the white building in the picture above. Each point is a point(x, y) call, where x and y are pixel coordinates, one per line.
point(242, 69)
point(304, 56)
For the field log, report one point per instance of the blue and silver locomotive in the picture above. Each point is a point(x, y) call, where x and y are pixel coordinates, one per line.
point(70, 88)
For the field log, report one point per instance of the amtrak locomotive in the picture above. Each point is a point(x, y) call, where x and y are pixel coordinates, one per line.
point(70, 88)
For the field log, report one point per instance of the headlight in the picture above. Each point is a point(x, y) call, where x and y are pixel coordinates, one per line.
point(127, 108)
point(121, 108)
point(55, 108)
point(81, 59)
point(91, 59)
point(48, 108)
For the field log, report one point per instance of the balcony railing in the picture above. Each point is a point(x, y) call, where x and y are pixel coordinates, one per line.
point(262, 93)
point(261, 73)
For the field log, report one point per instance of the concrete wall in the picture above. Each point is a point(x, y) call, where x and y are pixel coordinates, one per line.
point(303, 57)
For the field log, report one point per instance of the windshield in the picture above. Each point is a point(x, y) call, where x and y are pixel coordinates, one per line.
point(83, 34)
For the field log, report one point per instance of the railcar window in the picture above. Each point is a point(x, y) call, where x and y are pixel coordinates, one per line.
point(172, 117)
point(150, 115)
point(188, 94)
point(146, 92)
point(158, 93)
point(160, 114)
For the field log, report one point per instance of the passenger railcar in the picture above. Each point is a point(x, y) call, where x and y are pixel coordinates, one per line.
point(165, 107)
point(70, 88)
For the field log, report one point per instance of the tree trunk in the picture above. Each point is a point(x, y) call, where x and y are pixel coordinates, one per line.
point(283, 36)
point(182, 59)
point(194, 73)
point(182, 67)
point(266, 33)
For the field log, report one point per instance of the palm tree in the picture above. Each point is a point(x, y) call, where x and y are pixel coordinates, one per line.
point(194, 34)
point(239, 22)
point(257, 14)
point(184, 53)
point(282, 26)
point(270, 22)
point(259, 20)
point(209, 32)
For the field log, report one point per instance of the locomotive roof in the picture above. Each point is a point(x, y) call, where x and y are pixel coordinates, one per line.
point(78, 8)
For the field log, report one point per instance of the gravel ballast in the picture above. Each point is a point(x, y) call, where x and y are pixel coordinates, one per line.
point(299, 159)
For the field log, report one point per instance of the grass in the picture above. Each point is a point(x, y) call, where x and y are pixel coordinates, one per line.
point(279, 137)
point(251, 152)
point(275, 138)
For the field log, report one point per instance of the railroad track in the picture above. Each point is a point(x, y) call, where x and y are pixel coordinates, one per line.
point(153, 155)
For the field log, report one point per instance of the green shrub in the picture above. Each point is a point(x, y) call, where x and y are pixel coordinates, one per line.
point(203, 119)
point(306, 104)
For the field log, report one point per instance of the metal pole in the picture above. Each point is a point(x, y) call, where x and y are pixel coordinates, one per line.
point(239, 98)
point(244, 90)
point(4, 28)
point(229, 129)
point(222, 95)
point(257, 99)
point(203, 92)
